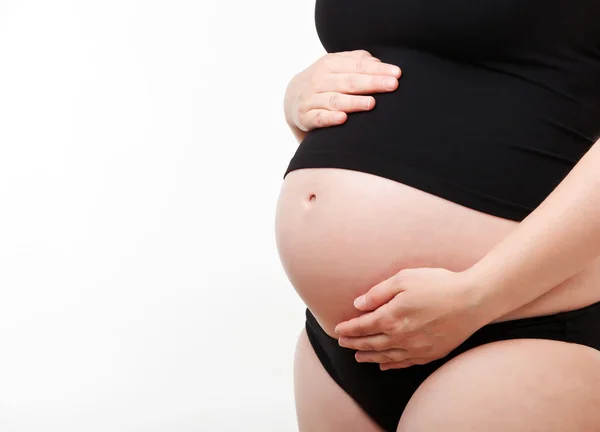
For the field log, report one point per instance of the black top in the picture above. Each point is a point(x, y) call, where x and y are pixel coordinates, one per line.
point(498, 99)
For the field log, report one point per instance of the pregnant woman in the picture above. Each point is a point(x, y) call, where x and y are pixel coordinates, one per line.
point(440, 218)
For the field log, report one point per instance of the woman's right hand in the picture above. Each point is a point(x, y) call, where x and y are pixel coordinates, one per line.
point(336, 84)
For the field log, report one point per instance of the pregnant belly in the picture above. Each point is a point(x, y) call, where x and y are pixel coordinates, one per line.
point(339, 232)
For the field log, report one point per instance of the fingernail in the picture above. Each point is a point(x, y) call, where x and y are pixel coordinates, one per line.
point(360, 302)
point(395, 70)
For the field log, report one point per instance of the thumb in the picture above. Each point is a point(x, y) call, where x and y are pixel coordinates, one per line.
point(379, 295)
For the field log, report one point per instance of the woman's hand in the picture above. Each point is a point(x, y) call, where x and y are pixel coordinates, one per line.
point(414, 317)
point(336, 84)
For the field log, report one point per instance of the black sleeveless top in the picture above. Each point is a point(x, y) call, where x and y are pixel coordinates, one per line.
point(498, 99)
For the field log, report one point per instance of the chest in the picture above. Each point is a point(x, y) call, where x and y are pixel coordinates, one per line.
point(457, 27)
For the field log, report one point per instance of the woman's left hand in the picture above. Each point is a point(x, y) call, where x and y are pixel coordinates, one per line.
point(414, 317)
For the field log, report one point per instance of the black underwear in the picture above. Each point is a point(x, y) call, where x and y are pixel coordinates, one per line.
point(384, 394)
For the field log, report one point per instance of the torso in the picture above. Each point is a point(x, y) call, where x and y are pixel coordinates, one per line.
point(496, 104)
point(339, 232)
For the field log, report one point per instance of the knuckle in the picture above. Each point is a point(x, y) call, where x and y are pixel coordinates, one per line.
point(379, 320)
point(350, 84)
point(333, 101)
point(387, 323)
point(378, 82)
point(362, 329)
point(360, 65)
point(318, 120)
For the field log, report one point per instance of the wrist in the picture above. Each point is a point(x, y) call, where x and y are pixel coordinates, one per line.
point(479, 297)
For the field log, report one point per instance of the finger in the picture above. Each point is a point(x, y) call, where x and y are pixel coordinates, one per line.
point(369, 324)
point(379, 295)
point(387, 356)
point(357, 327)
point(360, 65)
point(319, 118)
point(378, 342)
point(341, 102)
point(353, 83)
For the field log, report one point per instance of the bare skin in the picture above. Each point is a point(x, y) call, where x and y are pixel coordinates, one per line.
point(516, 385)
point(340, 232)
point(359, 229)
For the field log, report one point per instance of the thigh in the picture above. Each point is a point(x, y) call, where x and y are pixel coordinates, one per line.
point(521, 385)
point(321, 405)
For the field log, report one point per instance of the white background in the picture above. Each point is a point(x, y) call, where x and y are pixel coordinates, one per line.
point(142, 148)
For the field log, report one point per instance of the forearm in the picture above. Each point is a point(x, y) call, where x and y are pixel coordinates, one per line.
point(556, 241)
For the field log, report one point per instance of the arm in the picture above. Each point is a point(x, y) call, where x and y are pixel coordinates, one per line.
point(419, 315)
point(556, 241)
